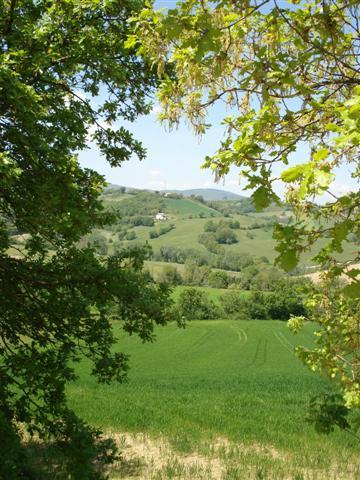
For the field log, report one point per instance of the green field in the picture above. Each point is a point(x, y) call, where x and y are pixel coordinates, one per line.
point(186, 206)
point(187, 230)
point(220, 399)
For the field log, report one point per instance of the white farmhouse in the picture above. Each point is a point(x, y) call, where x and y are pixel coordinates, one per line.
point(160, 216)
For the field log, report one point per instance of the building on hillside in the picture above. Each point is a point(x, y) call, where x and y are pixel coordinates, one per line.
point(161, 216)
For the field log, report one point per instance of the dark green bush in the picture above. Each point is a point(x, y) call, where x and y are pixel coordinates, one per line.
point(170, 275)
point(234, 305)
point(217, 279)
point(193, 304)
point(153, 234)
point(278, 305)
point(226, 236)
point(130, 235)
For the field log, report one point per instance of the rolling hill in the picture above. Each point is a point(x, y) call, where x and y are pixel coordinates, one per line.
point(208, 194)
point(185, 221)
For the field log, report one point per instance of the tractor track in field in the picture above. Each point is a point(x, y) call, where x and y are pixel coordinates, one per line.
point(260, 355)
point(284, 341)
point(241, 334)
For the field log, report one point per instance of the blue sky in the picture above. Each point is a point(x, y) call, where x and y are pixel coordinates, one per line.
point(174, 158)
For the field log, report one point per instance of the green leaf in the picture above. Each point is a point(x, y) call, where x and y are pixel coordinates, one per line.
point(261, 198)
point(321, 154)
point(130, 42)
point(288, 260)
point(352, 290)
point(294, 173)
point(353, 273)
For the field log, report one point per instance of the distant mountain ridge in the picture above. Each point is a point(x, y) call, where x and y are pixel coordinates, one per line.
point(208, 193)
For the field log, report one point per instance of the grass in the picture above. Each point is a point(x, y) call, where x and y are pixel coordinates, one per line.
point(223, 391)
point(187, 206)
point(156, 268)
point(187, 231)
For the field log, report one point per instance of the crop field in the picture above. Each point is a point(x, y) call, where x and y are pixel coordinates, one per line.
point(187, 230)
point(216, 400)
point(187, 206)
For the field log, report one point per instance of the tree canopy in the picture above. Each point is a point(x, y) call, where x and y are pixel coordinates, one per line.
point(65, 79)
point(289, 75)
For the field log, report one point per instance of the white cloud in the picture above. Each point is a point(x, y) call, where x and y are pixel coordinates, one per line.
point(156, 173)
point(341, 188)
point(154, 185)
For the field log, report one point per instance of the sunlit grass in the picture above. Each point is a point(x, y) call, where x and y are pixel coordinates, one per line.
point(236, 380)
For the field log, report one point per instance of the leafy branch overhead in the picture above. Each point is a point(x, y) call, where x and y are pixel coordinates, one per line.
point(289, 76)
point(65, 80)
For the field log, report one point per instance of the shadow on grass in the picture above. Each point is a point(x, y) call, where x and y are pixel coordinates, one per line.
point(49, 461)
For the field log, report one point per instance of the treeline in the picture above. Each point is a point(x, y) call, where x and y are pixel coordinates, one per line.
point(161, 231)
point(284, 302)
point(231, 207)
point(230, 260)
point(242, 207)
point(255, 277)
point(136, 208)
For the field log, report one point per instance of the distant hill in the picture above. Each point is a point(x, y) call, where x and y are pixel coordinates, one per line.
point(208, 194)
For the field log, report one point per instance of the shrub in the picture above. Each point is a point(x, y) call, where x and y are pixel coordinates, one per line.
point(195, 304)
point(234, 224)
point(153, 234)
point(146, 221)
point(210, 226)
point(284, 303)
point(225, 236)
point(256, 306)
point(233, 304)
point(170, 275)
point(210, 243)
point(196, 274)
point(218, 279)
point(13, 459)
point(130, 235)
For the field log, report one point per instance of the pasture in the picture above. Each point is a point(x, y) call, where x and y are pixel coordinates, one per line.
point(187, 230)
point(217, 400)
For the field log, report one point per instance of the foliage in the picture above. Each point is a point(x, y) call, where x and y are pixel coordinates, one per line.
point(218, 279)
point(65, 78)
point(337, 341)
point(225, 235)
point(256, 306)
point(195, 274)
point(290, 74)
point(282, 304)
point(210, 226)
point(211, 243)
point(131, 235)
point(170, 275)
point(195, 304)
point(285, 302)
point(233, 305)
point(13, 459)
point(145, 221)
point(162, 231)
